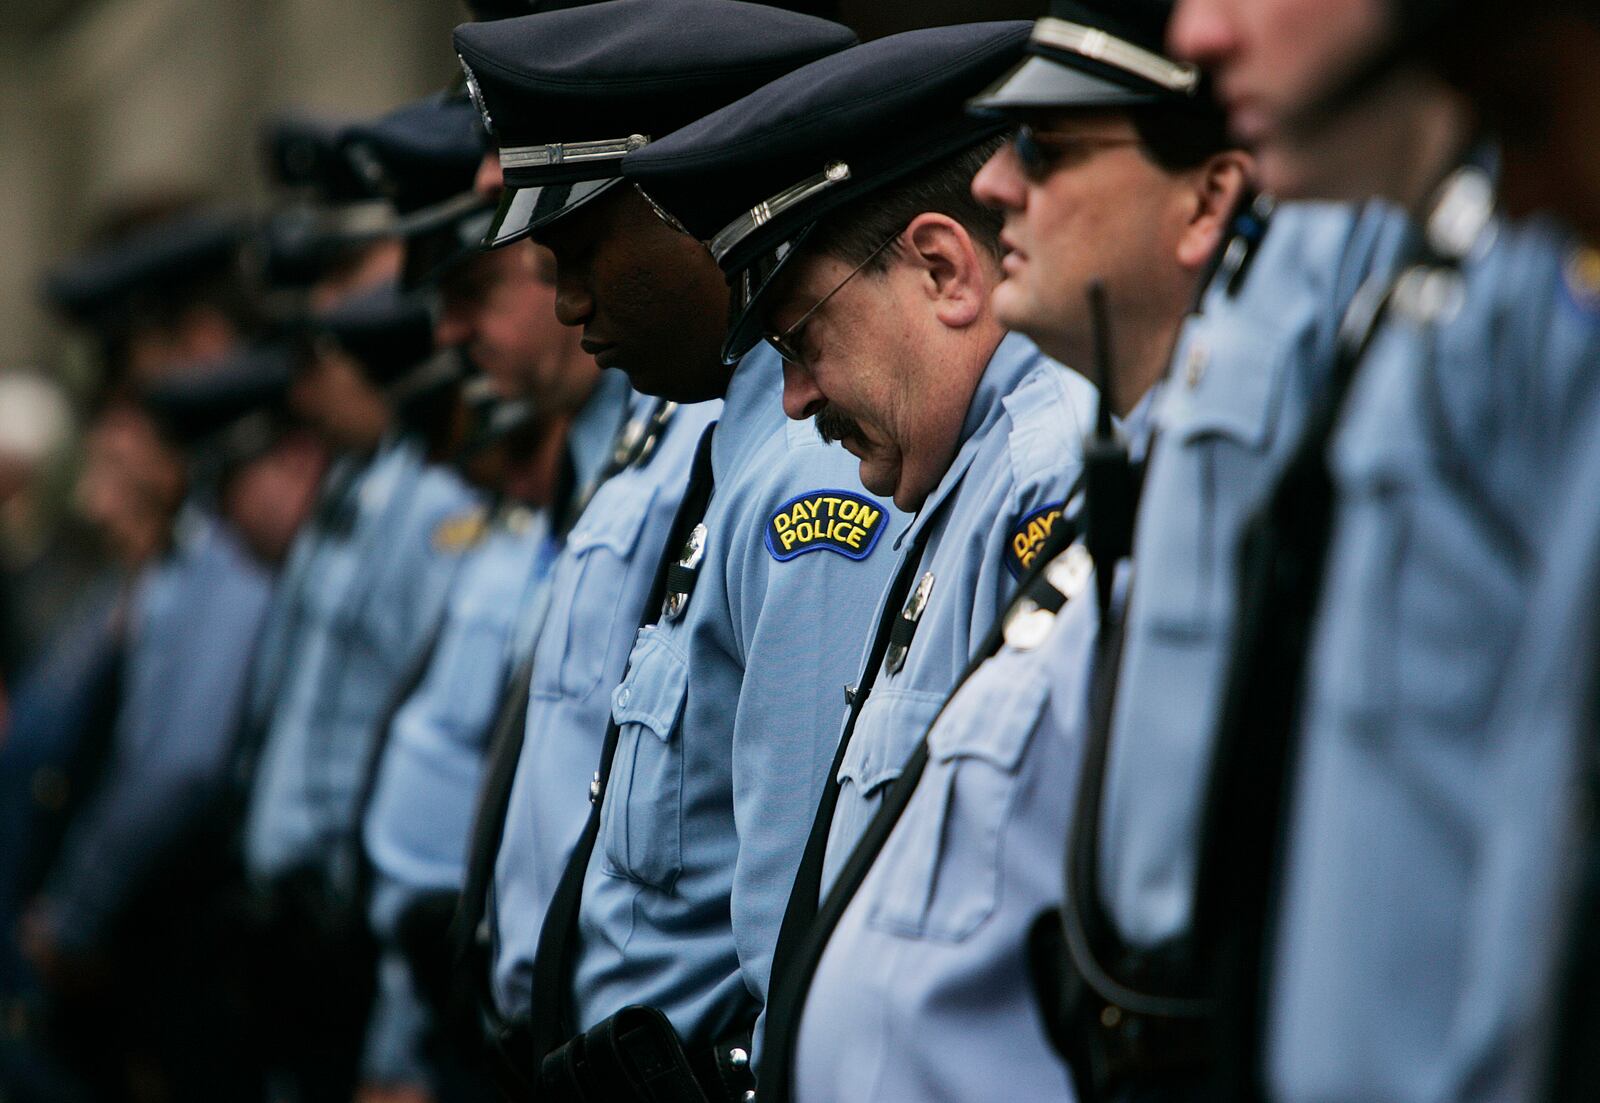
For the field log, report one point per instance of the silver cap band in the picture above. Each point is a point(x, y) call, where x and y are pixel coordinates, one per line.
point(765, 211)
point(570, 153)
point(1089, 42)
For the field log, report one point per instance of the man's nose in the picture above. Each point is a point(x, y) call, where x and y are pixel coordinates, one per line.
point(802, 398)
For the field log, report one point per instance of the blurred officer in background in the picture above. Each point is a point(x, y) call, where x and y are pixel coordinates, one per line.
point(1527, 1015)
point(363, 588)
point(1531, 1022)
point(134, 887)
point(161, 283)
point(332, 229)
point(1461, 390)
point(725, 700)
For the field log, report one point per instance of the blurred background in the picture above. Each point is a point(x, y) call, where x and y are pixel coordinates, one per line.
point(107, 101)
point(104, 101)
point(108, 104)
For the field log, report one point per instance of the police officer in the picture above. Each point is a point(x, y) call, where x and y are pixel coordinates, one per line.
point(332, 227)
point(872, 275)
point(137, 880)
point(702, 798)
point(1466, 399)
point(161, 294)
point(1528, 1018)
point(970, 429)
point(429, 765)
point(954, 855)
point(363, 588)
point(162, 291)
point(526, 821)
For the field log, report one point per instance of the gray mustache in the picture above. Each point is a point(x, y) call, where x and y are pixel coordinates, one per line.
point(833, 426)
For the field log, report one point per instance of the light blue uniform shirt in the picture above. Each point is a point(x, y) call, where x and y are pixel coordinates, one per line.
point(1443, 464)
point(729, 718)
point(597, 601)
point(375, 580)
point(1243, 378)
point(923, 991)
point(429, 775)
point(195, 619)
point(431, 769)
point(1019, 459)
point(1538, 742)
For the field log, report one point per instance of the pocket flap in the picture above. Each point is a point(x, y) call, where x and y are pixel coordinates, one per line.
point(617, 525)
point(993, 717)
point(651, 695)
point(1235, 404)
point(891, 723)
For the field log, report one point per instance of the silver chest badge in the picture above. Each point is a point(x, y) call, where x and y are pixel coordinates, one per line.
point(1028, 623)
point(694, 550)
point(900, 639)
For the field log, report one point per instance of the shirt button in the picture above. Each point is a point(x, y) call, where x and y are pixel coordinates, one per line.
point(624, 697)
point(594, 788)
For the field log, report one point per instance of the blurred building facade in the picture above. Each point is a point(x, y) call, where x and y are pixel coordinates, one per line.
point(108, 100)
point(103, 100)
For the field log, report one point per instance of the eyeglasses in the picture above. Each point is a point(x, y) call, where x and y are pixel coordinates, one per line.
point(1040, 151)
point(787, 343)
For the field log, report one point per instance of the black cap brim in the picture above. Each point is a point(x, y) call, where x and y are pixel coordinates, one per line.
point(433, 253)
point(1041, 83)
point(524, 210)
point(752, 291)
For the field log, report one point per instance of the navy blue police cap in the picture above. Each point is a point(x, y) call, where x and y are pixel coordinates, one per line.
point(303, 153)
point(754, 178)
point(425, 158)
point(566, 94)
point(385, 329)
point(154, 261)
point(1098, 54)
point(419, 155)
point(335, 206)
point(227, 411)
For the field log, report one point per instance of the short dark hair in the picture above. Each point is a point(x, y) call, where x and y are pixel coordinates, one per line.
point(945, 187)
point(1177, 140)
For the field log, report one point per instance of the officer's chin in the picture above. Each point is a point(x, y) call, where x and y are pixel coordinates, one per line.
point(884, 479)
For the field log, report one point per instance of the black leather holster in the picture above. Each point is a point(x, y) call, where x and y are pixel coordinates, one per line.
point(636, 1055)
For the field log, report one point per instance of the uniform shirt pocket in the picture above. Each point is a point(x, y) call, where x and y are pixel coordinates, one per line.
point(641, 820)
point(939, 873)
point(469, 671)
point(891, 722)
point(1206, 475)
point(588, 590)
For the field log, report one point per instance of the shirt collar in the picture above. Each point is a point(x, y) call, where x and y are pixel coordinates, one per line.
point(1011, 360)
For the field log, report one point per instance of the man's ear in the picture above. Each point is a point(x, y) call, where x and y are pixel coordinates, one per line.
point(950, 267)
point(1217, 187)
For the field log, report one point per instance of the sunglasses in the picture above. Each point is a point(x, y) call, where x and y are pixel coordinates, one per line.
point(1041, 151)
point(787, 343)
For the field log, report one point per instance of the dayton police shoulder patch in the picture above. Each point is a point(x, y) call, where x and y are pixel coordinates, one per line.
point(1028, 537)
point(826, 520)
point(461, 531)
